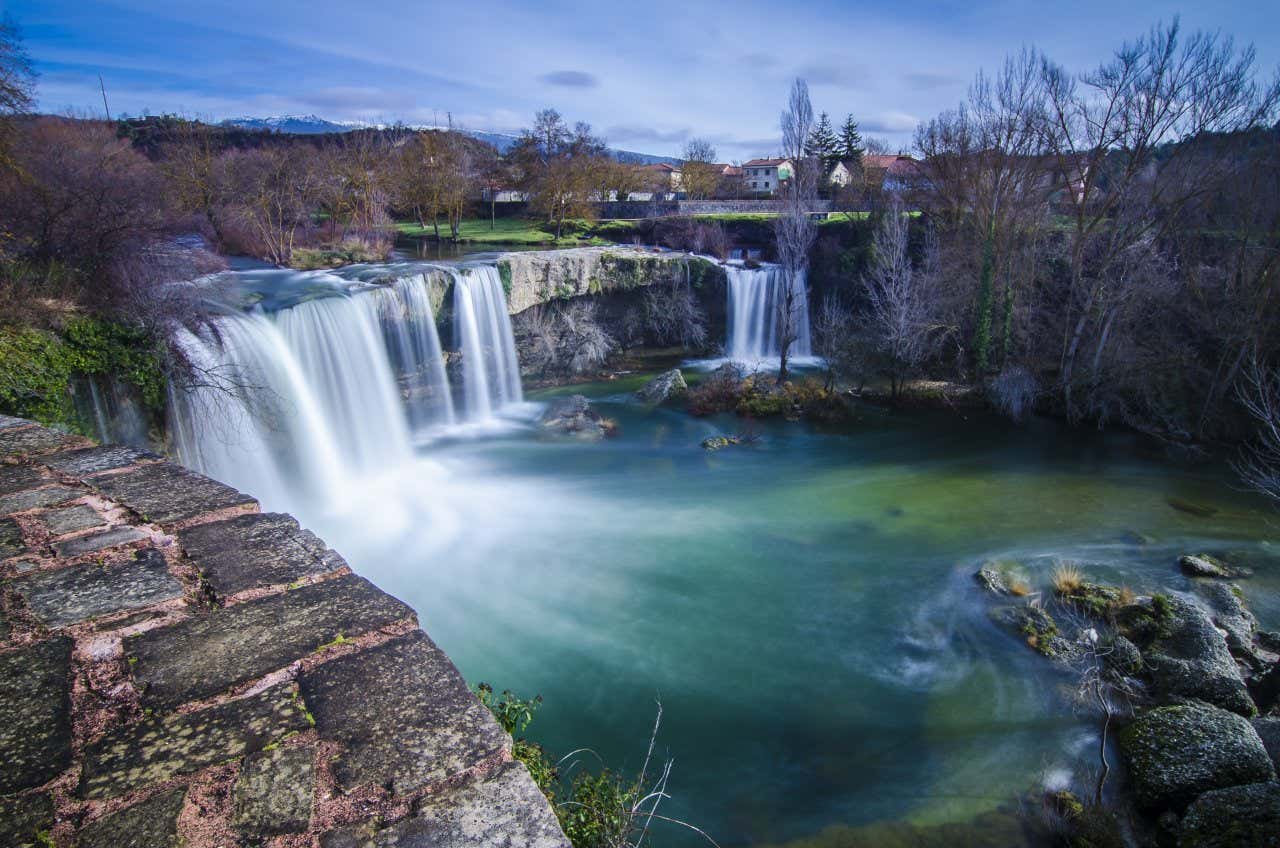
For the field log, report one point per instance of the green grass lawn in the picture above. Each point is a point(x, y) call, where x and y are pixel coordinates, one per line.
point(504, 231)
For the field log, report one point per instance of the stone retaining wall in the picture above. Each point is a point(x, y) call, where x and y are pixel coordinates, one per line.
point(177, 667)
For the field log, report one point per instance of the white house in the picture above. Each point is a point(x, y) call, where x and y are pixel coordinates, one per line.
point(764, 175)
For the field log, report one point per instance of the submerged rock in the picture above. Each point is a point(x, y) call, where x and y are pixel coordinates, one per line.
point(573, 416)
point(663, 387)
point(1198, 510)
point(1203, 565)
point(1177, 753)
point(715, 443)
point(1233, 818)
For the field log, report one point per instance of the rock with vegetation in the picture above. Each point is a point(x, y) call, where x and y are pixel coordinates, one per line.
point(574, 416)
point(1228, 613)
point(662, 388)
point(1238, 817)
point(1203, 565)
point(1177, 753)
point(1185, 655)
point(1039, 629)
point(715, 443)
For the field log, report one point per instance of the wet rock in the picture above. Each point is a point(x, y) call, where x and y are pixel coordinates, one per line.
point(1268, 730)
point(715, 443)
point(71, 519)
point(95, 542)
point(80, 592)
point(1238, 817)
point(167, 494)
point(8, 421)
point(1124, 657)
point(36, 498)
point(573, 416)
point(11, 543)
point(1227, 611)
point(273, 793)
point(1265, 688)
point(1177, 753)
point(1203, 565)
point(403, 714)
point(990, 578)
point(89, 461)
point(152, 823)
point(663, 387)
point(1268, 640)
point(256, 550)
point(161, 747)
point(1039, 630)
point(35, 714)
point(505, 809)
point(31, 441)
point(26, 820)
point(212, 652)
point(1189, 659)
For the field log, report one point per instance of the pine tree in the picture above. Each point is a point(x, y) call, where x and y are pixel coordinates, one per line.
point(849, 145)
point(822, 142)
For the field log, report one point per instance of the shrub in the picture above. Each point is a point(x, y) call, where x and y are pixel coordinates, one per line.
point(1067, 579)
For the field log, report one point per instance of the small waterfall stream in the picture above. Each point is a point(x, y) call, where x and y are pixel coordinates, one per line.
point(491, 374)
point(755, 302)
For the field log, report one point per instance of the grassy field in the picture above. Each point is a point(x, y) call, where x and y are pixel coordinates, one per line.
point(504, 231)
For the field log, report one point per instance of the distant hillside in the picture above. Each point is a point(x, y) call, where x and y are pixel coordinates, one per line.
point(315, 125)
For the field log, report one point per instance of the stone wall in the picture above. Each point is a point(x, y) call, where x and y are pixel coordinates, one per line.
point(177, 667)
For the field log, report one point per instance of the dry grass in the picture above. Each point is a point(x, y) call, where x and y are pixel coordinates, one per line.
point(1127, 596)
point(1019, 588)
point(1067, 579)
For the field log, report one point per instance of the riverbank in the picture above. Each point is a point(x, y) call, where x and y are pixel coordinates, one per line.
point(176, 666)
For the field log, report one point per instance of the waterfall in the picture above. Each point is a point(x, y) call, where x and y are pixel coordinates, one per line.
point(491, 374)
point(294, 405)
point(755, 297)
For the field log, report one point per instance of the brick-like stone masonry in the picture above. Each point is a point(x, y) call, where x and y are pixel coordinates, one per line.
point(177, 668)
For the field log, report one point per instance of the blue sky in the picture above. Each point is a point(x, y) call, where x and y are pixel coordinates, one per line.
point(646, 76)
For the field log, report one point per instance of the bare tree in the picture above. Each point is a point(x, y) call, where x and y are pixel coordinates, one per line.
point(1259, 392)
point(17, 82)
point(901, 303)
point(560, 168)
point(794, 230)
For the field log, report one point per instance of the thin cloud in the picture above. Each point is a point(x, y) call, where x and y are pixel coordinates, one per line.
point(634, 133)
point(890, 122)
point(924, 81)
point(835, 74)
point(571, 79)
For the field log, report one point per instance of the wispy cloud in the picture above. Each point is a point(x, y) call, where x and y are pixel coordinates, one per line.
point(571, 79)
point(638, 134)
point(925, 81)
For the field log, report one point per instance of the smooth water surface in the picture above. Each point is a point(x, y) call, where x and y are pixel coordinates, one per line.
point(803, 608)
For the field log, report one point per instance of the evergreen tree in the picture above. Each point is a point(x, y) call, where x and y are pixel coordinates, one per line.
point(822, 142)
point(849, 145)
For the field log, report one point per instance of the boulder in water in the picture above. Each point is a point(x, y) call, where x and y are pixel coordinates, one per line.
point(573, 416)
point(715, 443)
point(1246, 815)
point(663, 387)
point(1178, 753)
point(1203, 565)
point(990, 578)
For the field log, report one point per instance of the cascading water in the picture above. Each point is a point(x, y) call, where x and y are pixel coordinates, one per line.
point(756, 298)
point(298, 403)
point(491, 374)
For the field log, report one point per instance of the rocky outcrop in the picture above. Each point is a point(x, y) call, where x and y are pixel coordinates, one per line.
point(1177, 753)
point(668, 385)
point(534, 277)
point(1189, 659)
point(176, 668)
point(573, 416)
point(1239, 817)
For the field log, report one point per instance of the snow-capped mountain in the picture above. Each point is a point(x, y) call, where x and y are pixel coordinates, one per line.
point(315, 125)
